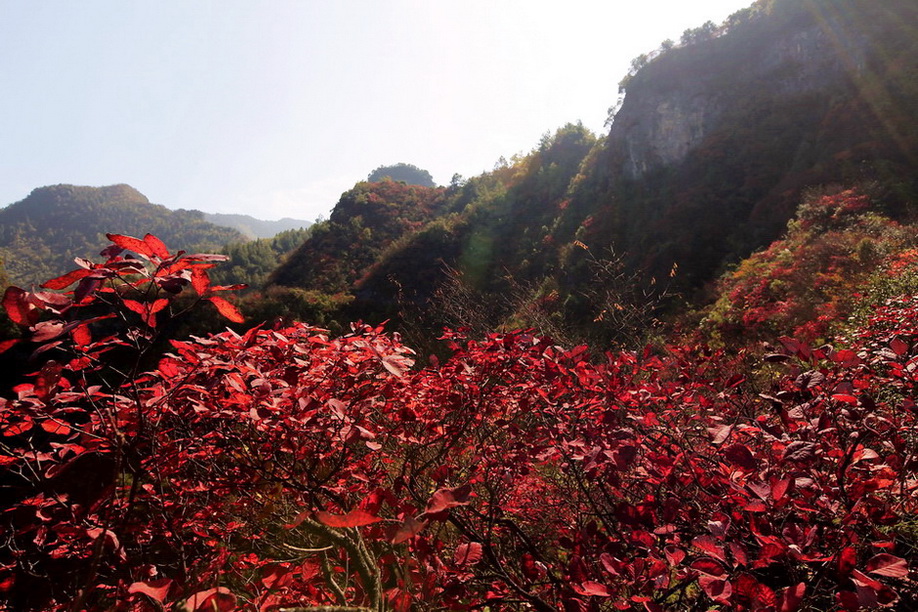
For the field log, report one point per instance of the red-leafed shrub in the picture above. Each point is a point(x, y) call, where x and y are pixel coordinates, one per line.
point(284, 468)
point(811, 279)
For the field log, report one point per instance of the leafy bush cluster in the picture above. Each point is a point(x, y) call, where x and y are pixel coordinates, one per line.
point(813, 278)
point(287, 469)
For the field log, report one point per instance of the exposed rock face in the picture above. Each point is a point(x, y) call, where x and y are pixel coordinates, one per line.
point(671, 106)
point(665, 130)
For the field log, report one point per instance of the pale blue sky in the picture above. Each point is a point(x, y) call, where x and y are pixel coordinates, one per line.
point(274, 108)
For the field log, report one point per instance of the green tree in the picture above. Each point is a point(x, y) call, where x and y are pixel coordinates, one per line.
point(406, 173)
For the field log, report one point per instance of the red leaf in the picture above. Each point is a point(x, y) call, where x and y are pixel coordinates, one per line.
point(899, 347)
point(156, 245)
point(226, 309)
point(169, 369)
point(81, 335)
point(354, 518)
point(847, 558)
point(760, 594)
point(7, 345)
point(219, 599)
point(200, 280)
point(86, 287)
point(47, 379)
point(740, 456)
point(792, 597)
point(55, 427)
point(393, 365)
point(47, 330)
point(739, 554)
point(846, 358)
point(888, 565)
point(468, 554)
point(158, 305)
point(155, 589)
point(845, 398)
point(609, 563)
point(709, 545)
point(135, 306)
point(129, 243)
point(298, 520)
point(444, 499)
point(408, 529)
point(674, 555)
point(19, 427)
point(708, 566)
point(779, 488)
point(62, 282)
point(717, 589)
point(18, 307)
point(274, 576)
point(592, 589)
point(720, 433)
point(800, 451)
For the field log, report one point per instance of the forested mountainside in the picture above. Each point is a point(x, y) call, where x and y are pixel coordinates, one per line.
point(707, 159)
point(253, 228)
point(252, 262)
point(40, 235)
point(366, 220)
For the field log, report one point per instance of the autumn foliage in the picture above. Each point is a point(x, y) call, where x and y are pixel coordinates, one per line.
point(813, 278)
point(286, 469)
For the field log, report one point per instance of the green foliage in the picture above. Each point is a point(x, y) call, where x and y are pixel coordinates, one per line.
point(40, 235)
point(7, 328)
point(251, 263)
point(405, 173)
point(366, 220)
point(287, 304)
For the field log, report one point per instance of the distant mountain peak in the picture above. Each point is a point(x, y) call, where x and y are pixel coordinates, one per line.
point(41, 234)
point(120, 192)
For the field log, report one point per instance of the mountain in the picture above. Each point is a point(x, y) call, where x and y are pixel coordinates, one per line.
point(716, 140)
point(40, 235)
point(365, 221)
point(253, 228)
point(407, 173)
point(714, 145)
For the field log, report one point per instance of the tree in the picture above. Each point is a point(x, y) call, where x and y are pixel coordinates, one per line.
point(406, 173)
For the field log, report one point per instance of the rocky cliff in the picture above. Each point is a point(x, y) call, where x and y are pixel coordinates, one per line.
point(681, 97)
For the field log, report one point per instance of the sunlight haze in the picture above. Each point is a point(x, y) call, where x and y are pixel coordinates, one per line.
point(274, 109)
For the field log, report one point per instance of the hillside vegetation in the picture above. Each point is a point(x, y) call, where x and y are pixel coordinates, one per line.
point(40, 235)
point(716, 143)
point(674, 367)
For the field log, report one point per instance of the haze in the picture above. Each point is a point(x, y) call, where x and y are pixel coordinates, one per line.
point(273, 109)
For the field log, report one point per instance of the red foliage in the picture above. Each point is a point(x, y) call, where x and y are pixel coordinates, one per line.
point(804, 283)
point(284, 468)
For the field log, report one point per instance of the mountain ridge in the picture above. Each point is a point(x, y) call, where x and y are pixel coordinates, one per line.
point(42, 233)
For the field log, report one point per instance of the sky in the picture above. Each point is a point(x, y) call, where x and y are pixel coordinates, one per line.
point(275, 108)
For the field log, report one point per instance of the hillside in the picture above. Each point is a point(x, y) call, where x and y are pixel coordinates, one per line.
point(365, 221)
point(253, 228)
point(40, 235)
point(706, 161)
point(715, 141)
